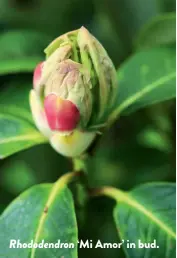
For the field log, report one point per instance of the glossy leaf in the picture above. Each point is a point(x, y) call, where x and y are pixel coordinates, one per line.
point(17, 134)
point(44, 212)
point(161, 30)
point(147, 213)
point(21, 50)
point(18, 66)
point(146, 78)
point(14, 99)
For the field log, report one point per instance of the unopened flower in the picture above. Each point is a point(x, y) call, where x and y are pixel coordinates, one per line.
point(74, 89)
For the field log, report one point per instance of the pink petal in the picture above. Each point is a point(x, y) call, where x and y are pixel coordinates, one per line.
point(39, 114)
point(62, 115)
point(37, 74)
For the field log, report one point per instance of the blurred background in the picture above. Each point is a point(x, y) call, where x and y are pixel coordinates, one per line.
point(138, 148)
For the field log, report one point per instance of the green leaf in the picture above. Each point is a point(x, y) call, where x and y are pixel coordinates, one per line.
point(147, 213)
point(12, 171)
point(161, 30)
point(18, 130)
point(21, 50)
point(44, 212)
point(17, 134)
point(146, 78)
point(20, 65)
point(14, 99)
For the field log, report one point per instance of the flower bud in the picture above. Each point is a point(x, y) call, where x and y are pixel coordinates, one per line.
point(73, 91)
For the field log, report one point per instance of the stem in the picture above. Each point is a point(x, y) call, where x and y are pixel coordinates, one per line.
point(79, 164)
point(116, 194)
point(68, 178)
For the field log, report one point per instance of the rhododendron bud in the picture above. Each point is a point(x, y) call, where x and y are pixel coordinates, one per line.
point(73, 91)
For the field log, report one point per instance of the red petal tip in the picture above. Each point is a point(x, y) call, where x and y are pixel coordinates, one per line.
point(62, 115)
